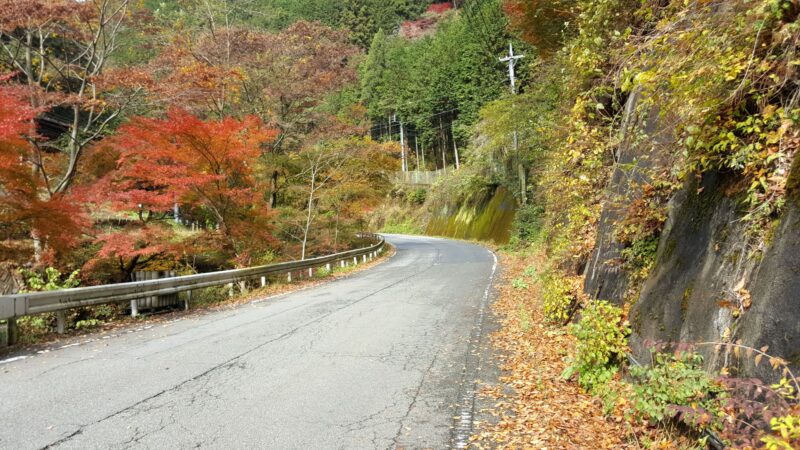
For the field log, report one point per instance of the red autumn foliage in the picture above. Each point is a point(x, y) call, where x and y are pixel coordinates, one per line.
point(540, 22)
point(26, 208)
point(196, 164)
point(427, 24)
point(439, 8)
point(185, 160)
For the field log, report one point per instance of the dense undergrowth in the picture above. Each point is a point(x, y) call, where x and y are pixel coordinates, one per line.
point(671, 401)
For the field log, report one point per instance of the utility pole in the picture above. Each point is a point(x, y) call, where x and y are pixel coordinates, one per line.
point(443, 144)
point(416, 148)
point(512, 59)
point(423, 156)
point(402, 144)
point(455, 146)
point(403, 147)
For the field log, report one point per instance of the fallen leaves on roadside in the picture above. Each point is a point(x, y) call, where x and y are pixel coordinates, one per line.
point(536, 408)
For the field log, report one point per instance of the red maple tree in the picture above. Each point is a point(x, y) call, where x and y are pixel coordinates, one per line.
point(202, 166)
point(26, 208)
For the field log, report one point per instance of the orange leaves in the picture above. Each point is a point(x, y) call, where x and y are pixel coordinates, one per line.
point(182, 159)
point(542, 410)
point(25, 206)
point(42, 13)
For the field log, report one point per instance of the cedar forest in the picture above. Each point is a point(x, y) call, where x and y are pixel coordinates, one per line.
point(201, 135)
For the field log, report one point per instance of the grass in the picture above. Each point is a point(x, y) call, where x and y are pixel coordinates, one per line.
point(405, 227)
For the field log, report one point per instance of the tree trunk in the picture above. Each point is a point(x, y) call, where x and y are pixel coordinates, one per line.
point(308, 215)
point(336, 234)
point(273, 190)
point(443, 144)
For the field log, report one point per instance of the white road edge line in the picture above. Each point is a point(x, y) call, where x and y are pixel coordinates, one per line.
point(16, 358)
point(463, 429)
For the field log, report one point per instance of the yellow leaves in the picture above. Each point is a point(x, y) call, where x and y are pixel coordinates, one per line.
point(776, 362)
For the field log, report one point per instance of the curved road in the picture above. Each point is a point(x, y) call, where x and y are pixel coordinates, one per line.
point(383, 359)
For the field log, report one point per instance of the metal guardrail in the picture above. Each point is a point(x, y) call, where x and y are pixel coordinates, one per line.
point(18, 305)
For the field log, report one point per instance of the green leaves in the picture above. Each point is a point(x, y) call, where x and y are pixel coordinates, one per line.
point(676, 385)
point(51, 280)
point(602, 344)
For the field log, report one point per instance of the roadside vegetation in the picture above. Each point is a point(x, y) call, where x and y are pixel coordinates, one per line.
point(575, 386)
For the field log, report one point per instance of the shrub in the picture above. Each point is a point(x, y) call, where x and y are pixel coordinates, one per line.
point(51, 281)
point(417, 196)
point(520, 284)
point(527, 225)
point(601, 347)
point(556, 297)
point(785, 433)
point(676, 386)
point(530, 272)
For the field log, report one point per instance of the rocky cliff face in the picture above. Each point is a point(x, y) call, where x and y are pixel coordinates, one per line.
point(710, 282)
point(486, 218)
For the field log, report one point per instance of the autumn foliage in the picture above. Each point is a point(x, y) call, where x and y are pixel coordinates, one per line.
point(540, 22)
point(134, 138)
point(26, 209)
point(205, 167)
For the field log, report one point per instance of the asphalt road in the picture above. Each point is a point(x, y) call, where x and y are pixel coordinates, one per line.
point(383, 359)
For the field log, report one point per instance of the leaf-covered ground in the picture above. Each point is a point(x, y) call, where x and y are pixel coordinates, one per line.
point(535, 408)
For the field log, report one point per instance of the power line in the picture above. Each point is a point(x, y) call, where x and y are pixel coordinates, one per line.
point(383, 126)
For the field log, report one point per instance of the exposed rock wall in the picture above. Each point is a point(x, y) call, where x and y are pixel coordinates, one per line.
point(645, 146)
point(485, 218)
point(710, 282)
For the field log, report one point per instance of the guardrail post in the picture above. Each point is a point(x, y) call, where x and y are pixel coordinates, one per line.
point(328, 267)
point(134, 308)
point(355, 260)
point(289, 276)
point(263, 282)
point(342, 263)
point(364, 258)
point(310, 272)
point(12, 332)
point(188, 299)
point(61, 322)
point(230, 289)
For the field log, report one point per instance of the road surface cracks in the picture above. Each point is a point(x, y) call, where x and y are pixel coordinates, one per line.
point(305, 370)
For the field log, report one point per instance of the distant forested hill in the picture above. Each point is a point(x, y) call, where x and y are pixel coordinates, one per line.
point(362, 17)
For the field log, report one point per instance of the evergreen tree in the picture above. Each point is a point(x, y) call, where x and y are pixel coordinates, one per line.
point(373, 74)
